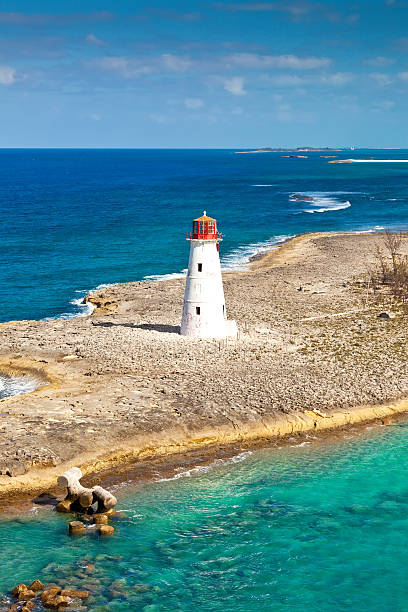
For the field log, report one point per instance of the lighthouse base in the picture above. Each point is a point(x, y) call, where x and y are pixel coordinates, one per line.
point(231, 329)
point(200, 327)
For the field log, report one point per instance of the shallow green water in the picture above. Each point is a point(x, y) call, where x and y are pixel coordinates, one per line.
point(314, 527)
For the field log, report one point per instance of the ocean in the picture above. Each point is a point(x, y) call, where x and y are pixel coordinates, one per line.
point(72, 220)
point(318, 525)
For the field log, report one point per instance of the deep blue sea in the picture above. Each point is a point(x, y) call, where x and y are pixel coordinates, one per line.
point(72, 220)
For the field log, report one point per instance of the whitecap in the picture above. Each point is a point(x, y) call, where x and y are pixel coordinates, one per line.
point(162, 277)
point(322, 201)
point(238, 259)
point(203, 469)
point(235, 261)
point(82, 309)
point(331, 205)
point(301, 445)
point(260, 185)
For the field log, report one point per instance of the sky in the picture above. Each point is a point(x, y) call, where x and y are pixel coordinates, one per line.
point(200, 73)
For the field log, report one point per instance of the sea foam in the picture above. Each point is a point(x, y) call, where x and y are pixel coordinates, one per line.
point(322, 201)
point(18, 385)
point(203, 469)
point(238, 259)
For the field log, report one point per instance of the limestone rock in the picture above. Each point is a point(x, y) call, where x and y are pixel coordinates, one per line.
point(64, 506)
point(76, 527)
point(36, 585)
point(50, 593)
point(56, 602)
point(53, 599)
point(100, 519)
point(105, 530)
point(21, 591)
point(75, 594)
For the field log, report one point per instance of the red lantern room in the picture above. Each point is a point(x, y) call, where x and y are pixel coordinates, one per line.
point(204, 228)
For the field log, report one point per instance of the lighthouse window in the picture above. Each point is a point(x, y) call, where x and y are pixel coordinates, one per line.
point(198, 310)
point(195, 227)
point(200, 267)
point(211, 228)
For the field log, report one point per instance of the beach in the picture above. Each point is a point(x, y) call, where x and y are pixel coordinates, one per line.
point(311, 355)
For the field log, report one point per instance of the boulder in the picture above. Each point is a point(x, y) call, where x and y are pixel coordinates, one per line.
point(76, 527)
point(75, 594)
point(22, 592)
point(36, 585)
point(100, 519)
point(53, 599)
point(105, 530)
point(64, 506)
point(56, 602)
point(386, 315)
point(50, 593)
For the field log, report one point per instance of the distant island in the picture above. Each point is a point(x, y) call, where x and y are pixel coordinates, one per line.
point(281, 150)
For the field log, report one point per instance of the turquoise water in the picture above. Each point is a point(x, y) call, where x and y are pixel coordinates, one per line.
point(72, 220)
point(318, 526)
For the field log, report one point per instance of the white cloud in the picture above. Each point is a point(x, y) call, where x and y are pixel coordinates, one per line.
point(379, 61)
point(131, 68)
point(288, 80)
point(253, 60)
point(159, 118)
point(7, 75)
point(338, 78)
point(381, 78)
point(91, 39)
point(403, 76)
point(235, 86)
point(385, 105)
point(294, 80)
point(175, 63)
point(193, 103)
point(123, 66)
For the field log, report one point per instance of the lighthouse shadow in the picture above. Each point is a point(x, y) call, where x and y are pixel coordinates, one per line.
point(169, 329)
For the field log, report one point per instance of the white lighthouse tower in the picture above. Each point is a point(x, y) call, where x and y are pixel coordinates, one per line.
point(204, 314)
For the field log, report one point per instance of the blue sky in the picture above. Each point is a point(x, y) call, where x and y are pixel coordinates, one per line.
point(128, 73)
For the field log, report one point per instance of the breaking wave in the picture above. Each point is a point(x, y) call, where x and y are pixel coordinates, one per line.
point(157, 277)
point(18, 385)
point(235, 261)
point(320, 201)
point(203, 469)
point(239, 258)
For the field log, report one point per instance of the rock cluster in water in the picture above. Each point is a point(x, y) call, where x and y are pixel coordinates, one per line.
point(106, 579)
point(50, 596)
point(97, 502)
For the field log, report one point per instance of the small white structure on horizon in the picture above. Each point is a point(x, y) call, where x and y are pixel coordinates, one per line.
point(204, 313)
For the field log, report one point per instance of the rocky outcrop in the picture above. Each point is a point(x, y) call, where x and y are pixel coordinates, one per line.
point(137, 389)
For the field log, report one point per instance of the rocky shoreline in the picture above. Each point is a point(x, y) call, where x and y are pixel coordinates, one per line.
point(312, 354)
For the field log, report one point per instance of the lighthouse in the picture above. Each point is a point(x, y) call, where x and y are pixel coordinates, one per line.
point(204, 313)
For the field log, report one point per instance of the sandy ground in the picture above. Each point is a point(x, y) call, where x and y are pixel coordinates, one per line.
point(311, 354)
